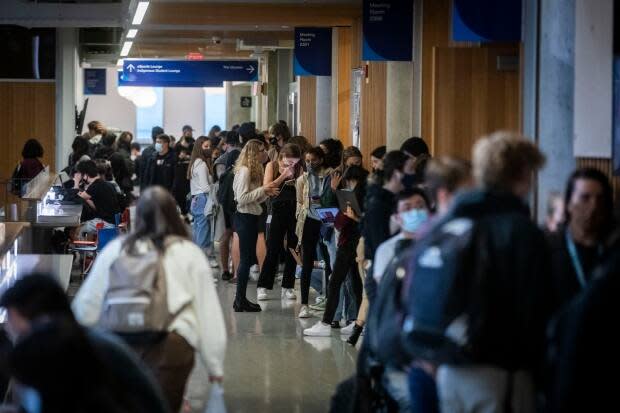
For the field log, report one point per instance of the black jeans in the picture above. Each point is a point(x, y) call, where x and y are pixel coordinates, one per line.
point(282, 224)
point(345, 264)
point(309, 242)
point(246, 226)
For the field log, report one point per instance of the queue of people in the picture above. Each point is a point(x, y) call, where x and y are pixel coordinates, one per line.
point(465, 304)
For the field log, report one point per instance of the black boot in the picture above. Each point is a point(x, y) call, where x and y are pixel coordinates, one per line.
point(355, 335)
point(244, 306)
point(226, 276)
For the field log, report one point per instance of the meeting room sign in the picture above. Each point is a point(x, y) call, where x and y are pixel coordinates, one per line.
point(186, 73)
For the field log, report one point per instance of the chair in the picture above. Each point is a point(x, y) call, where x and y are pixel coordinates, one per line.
point(90, 248)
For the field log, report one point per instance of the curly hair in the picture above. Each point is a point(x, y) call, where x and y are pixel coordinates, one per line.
point(249, 157)
point(501, 159)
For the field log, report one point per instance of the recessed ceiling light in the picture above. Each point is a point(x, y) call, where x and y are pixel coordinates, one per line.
point(131, 33)
point(126, 48)
point(140, 12)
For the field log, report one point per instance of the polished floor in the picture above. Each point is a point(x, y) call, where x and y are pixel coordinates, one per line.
point(270, 366)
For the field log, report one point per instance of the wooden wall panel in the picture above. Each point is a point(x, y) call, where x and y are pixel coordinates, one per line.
point(373, 109)
point(307, 107)
point(471, 97)
point(27, 110)
point(344, 85)
point(605, 166)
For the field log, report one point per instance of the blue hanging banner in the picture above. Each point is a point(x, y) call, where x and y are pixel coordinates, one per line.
point(94, 81)
point(186, 73)
point(388, 30)
point(313, 51)
point(486, 21)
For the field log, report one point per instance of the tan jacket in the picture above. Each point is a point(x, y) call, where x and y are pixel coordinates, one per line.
point(303, 202)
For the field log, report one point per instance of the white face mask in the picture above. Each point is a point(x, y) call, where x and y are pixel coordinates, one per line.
point(159, 147)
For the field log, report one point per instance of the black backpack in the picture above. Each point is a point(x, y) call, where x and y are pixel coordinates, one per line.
point(438, 290)
point(225, 194)
point(387, 315)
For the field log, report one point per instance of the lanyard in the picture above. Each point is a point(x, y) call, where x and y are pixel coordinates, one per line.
point(572, 251)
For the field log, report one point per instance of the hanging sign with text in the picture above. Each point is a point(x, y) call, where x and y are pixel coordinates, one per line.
point(94, 81)
point(388, 30)
point(313, 51)
point(187, 73)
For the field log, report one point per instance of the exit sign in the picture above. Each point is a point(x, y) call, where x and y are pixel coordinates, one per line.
point(195, 56)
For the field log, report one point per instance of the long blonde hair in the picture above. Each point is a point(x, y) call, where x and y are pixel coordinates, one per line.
point(249, 157)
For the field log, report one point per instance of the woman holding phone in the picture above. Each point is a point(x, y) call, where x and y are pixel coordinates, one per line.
point(281, 172)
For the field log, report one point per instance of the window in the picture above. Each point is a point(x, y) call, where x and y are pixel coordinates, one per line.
point(215, 107)
point(149, 103)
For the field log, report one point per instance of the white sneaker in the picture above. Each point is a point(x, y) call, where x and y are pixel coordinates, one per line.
point(319, 299)
point(304, 312)
point(289, 294)
point(319, 330)
point(261, 294)
point(348, 330)
point(213, 262)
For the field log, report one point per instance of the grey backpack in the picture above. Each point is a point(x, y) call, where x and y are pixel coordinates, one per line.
point(137, 300)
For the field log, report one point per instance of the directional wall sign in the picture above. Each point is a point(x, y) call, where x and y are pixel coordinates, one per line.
point(94, 81)
point(313, 51)
point(187, 73)
point(388, 30)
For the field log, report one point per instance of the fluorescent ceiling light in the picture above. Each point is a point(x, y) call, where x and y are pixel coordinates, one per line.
point(131, 33)
point(140, 12)
point(126, 48)
point(119, 62)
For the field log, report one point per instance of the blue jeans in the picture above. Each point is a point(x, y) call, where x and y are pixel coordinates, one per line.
point(246, 226)
point(201, 227)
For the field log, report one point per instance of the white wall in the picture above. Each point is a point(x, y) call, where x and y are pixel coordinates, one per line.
point(593, 78)
point(112, 109)
point(184, 106)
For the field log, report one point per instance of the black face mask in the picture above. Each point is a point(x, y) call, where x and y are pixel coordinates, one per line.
point(273, 141)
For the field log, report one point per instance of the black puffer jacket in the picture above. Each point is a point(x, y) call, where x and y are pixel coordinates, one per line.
point(380, 204)
point(508, 301)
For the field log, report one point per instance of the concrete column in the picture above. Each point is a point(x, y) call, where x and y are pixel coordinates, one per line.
point(323, 107)
point(399, 99)
point(272, 89)
point(66, 86)
point(556, 92)
point(284, 78)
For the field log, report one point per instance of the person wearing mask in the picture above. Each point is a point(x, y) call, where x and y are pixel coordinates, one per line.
point(250, 192)
point(200, 175)
point(578, 248)
point(100, 198)
point(181, 183)
point(79, 153)
point(38, 297)
point(376, 158)
point(347, 223)
point(122, 177)
point(197, 324)
point(160, 167)
point(30, 166)
point(187, 136)
point(96, 131)
point(279, 135)
point(506, 286)
point(214, 132)
point(311, 188)
point(282, 222)
point(333, 152)
point(123, 149)
point(147, 154)
point(136, 159)
point(418, 154)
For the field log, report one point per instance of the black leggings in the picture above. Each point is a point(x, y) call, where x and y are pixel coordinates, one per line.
point(345, 265)
point(309, 242)
point(246, 226)
point(282, 225)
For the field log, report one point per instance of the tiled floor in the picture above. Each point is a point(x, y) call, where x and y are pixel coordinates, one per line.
point(270, 366)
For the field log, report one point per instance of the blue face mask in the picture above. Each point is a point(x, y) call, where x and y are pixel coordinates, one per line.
point(413, 219)
point(159, 147)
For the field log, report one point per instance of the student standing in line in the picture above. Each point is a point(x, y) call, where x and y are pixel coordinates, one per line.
point(196, 323)
point(79, 153)
point(282, 222)
point(311, 187)
point(147, 154)
point(249, 193)
point(200, 176)
point(160, 167)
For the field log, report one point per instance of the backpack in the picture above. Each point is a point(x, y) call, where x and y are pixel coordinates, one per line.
point(387, 315)
point(437, 293)
point(136, 299)
point(225, 194)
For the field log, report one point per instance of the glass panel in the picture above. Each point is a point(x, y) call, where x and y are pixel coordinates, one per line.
point(149, 114)
point(215, 107)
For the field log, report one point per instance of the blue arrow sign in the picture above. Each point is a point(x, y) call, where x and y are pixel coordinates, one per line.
point(187, 73)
